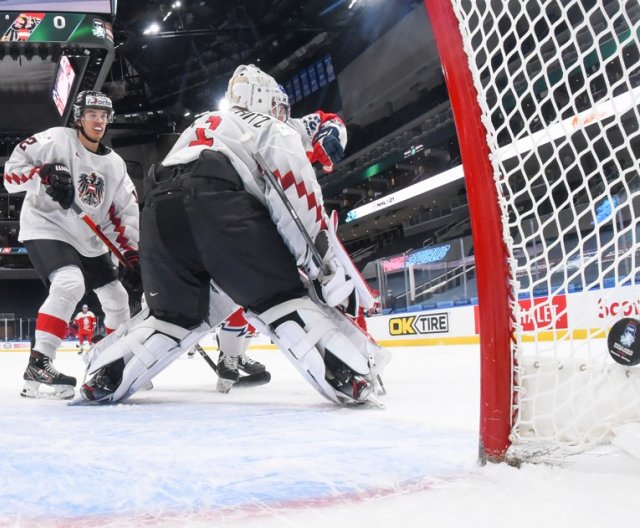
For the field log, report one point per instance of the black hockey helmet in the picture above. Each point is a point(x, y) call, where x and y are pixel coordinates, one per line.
point(91, 99)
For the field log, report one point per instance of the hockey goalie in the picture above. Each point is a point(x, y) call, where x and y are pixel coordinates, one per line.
point(233, 217)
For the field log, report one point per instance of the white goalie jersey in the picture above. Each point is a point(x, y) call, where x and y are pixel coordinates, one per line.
point(102, 188)
point(282, 149)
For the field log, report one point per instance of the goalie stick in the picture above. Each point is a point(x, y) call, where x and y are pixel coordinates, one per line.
point(259, 378)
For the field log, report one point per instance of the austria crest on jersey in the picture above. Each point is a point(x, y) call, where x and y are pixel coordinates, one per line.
point(91, 189)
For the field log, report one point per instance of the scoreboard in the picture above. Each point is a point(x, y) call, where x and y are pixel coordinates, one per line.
point(69, 28)
point(46, 58)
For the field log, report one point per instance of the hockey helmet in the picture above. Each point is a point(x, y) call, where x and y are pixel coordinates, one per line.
point(254, 90)
point(90, 99)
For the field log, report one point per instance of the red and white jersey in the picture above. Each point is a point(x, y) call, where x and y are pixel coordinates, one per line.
point(284, 153)
point(103, 190)
point(86, 321)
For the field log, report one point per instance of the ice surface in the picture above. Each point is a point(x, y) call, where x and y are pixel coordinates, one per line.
point(279, 455)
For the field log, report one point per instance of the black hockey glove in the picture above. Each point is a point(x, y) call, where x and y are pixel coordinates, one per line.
point(57, 179)
point(129, 275)
point(327, 148)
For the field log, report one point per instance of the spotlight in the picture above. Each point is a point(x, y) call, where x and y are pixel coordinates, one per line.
point(152, 29)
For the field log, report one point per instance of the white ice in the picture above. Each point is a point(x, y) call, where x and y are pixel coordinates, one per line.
point(280, 456)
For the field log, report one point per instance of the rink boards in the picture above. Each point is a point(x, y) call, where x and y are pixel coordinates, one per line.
point(586, 313)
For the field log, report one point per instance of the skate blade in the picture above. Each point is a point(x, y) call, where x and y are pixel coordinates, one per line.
point(80, 400)
point(32, 389)
point(224, 385)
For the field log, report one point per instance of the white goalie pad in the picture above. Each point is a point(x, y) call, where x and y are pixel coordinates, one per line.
point(146, 349)
point(306, 331)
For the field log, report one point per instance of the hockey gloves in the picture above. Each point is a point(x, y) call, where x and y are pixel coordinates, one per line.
point(327, 149)
point(57, 179)
point(129, 275)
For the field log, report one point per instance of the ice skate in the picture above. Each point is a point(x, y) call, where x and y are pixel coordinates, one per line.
point(248, 365)
point(356, 386)
point(102, 385)
point(40, 371)
point(228, 373)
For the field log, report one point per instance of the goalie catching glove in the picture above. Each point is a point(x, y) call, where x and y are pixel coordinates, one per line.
point(58, 182)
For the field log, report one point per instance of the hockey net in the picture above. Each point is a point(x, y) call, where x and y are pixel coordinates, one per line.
point(555, 88)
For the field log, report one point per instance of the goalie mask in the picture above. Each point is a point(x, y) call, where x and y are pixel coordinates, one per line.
point(90, 99)
point(254, 90)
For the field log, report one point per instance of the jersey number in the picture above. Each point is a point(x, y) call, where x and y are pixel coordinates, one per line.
point(29, 141)
point(201, 138)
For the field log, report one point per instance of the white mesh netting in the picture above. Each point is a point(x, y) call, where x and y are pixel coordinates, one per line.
point(559, 89)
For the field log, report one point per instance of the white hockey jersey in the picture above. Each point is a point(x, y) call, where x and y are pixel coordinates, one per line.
point(282, 149)
point(103, 190)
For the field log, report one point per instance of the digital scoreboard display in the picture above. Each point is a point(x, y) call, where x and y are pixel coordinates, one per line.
point(102, 7)
point(45, 59)
point(34, 26)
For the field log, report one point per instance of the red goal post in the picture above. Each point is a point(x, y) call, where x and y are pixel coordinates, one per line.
point(490, 253)
point(546, 99)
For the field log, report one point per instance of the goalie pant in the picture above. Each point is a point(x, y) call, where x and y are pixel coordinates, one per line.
point(202, 220)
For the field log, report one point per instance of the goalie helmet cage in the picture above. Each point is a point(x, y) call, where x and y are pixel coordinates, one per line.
point(545, 101)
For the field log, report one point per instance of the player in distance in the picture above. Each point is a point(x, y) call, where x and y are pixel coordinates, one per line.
point(63, 171)
point(85, 322)
point(210, 215)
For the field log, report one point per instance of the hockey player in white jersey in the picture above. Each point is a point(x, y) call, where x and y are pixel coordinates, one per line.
point(210, 215)
point(324, 138)
point(61, 169)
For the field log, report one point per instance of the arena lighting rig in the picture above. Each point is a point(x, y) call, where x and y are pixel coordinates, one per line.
point(49, 51)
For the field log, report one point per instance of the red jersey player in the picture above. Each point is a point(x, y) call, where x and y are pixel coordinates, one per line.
point(86, 323)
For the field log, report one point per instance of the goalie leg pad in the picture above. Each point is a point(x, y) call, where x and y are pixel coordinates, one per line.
point(313, 337)
point(146, 350)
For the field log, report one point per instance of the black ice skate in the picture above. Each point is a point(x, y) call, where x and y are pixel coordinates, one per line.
point(250, 366)
point(357, 387)
point(40, 371)
point(100, 388)
point(228, 373)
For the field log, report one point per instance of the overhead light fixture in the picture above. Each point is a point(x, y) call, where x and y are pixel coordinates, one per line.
point(152, 29)
point(353, 2)
point(167, 16)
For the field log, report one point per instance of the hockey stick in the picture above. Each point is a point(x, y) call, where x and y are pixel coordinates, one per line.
point(98, 232)
point(259, 378)
point(247, 138)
